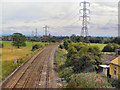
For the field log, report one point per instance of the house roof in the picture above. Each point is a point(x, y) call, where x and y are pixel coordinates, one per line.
point(107, 58)
point(104, 66)
point(116, 61)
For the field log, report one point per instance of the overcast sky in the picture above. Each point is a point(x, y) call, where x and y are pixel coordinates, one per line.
point(62, 17)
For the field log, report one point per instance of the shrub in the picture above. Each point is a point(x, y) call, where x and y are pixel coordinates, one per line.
point(88, 80)
point(66, 45)
point(53, 41)
point(46, 44)
point(1, 45)
point(40, 45)
point(66, 73)
point(114, 82)
point(110, 47)
point(35, 47)
point(61, 46)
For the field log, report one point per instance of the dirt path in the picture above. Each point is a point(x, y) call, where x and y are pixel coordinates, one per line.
point(38, 72)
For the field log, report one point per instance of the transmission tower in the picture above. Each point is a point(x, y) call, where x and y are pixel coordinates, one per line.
point(46, 28)
point(36, 32)
point(85, 12)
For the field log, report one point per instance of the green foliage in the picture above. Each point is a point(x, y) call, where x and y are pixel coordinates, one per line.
point(8, 67)
point(66, 45)
point(100, 45)
point(18, 40)
point(37, 46)
point(1, 45)
point(111, 47)
point(114, 82)
point(66, 73)
point(88, 80)
point(61, 46)
point(116, 40)
point(90, 39)
point(83, 58)
point(53, 40)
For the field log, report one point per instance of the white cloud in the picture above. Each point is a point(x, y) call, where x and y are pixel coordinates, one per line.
point(24, 16)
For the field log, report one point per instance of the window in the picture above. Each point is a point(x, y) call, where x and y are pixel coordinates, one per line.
point(114, 70)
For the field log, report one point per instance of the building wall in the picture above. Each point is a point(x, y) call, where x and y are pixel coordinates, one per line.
point(112, 71)
point(105, 71)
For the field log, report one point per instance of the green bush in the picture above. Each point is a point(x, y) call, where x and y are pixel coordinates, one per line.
point(66, 73)
point(61, 46)
point(66, 45)
point(114, 82)
point(35, 47)
point(1, 45)
point(110, 47)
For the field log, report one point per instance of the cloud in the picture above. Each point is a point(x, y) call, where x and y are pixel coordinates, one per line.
point(61, 16)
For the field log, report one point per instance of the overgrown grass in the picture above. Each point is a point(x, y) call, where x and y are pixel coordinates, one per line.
point(60, 58)
point(9, 66)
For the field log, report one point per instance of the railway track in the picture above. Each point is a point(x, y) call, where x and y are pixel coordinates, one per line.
point(35, 73)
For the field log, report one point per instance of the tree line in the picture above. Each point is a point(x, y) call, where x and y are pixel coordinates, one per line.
point(90, 39)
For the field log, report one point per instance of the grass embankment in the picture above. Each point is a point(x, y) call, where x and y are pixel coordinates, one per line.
point(78, 80)
point(101, 46)
point(10, 53)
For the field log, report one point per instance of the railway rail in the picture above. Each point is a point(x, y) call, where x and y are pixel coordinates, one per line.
point(36, 72)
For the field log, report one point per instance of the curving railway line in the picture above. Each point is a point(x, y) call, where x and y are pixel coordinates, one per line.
point(37, 72)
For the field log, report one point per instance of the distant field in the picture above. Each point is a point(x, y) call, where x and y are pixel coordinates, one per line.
point(101, 46)
point(10, 53)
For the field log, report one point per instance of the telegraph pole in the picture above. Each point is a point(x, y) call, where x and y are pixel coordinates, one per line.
point(85, 11)
point(45, 28)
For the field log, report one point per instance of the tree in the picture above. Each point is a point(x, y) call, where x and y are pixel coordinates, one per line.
point(18, 40)
point(116, 40)
point(83, 58)
point(66, 44)
point(61, 46)
point(110, 47)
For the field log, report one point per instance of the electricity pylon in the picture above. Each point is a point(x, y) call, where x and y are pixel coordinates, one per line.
point(85, 12)
point(46, 28)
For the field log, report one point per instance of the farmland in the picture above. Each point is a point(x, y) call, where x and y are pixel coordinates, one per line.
point(10, 53)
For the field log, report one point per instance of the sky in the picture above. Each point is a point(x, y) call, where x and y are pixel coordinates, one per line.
point(62, 17)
